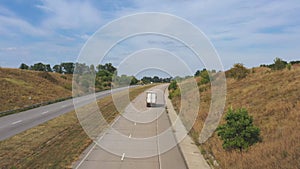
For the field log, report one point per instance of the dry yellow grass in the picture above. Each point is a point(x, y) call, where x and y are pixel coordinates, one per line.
point(21, 88)
point(273, 99)
point(56, 143)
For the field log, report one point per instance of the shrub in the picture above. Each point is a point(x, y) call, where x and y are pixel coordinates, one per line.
point(204, 74)
point(289, 66)
point(237, 72)
point(24, 66)
point(239, 131)
point(173, 85)
point(173, 89)
point(204, 77)
point(174, 93)
point(295, 62)
point(278, 64)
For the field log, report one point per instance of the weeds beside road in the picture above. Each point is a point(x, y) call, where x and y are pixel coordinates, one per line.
point(56, 143)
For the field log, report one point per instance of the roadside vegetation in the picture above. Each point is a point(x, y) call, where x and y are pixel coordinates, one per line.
point(238, 71)
point(39, 84)
point(238, 132)
point(20, 88)
point(270, 95)
point(174, 89)
point(57, 143)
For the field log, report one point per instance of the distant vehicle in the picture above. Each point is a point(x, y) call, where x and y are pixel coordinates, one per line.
point(151, 98)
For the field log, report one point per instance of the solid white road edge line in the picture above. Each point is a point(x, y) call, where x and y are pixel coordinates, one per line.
point(85, 156)
point(95, 145)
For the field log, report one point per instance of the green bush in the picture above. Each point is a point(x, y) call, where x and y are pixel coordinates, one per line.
point(204, 77)
point(289, 66)
point(174, 93)
point(237, 72)
point(238, 132)
point(173, 89)
point(204, 74)
point(173, 85)
point(278, 64)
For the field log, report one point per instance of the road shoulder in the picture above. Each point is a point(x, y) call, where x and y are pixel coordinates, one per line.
point(190, 151)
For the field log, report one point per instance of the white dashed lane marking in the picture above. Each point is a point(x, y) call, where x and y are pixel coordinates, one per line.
point(16, 122)
point(123, 157)
point(45, 112)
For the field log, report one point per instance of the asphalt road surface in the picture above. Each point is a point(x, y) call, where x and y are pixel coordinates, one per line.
point(132, 142)
point(13, 124)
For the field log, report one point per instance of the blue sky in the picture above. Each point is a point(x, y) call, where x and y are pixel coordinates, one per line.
point(54, 31)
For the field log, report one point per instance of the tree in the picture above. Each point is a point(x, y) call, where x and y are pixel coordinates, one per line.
point(156, 79)
point(92, 69)
point(24, 66)
point(197, 73)
point(81, 68)
point(295, 62)
point(48, 68)
point(58, 69)
point(238, 71)
point(106, 73)
point(278, 64)
point(146, 80)
point(238, 132)
point(174, 90)
point(108, 67)
point(204, 76)
point(173, 85)
point(68, 67)
point(38, 67)
point(134, 81)
point(166, 80)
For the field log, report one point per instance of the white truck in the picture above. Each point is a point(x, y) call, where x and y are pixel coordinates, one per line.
point(151, 98)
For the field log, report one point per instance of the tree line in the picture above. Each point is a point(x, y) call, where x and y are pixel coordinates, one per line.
point(105, 74)
point(279, 64)
point(63, 68)
point(155, 79)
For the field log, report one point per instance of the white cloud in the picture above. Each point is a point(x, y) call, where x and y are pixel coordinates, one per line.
point(12, 25)
point(239, 29)
point(70, 14)
point(249, 31)
point(84, 36)
point(8, 49)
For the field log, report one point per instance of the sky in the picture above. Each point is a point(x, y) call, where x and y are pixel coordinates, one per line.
point(54, 31)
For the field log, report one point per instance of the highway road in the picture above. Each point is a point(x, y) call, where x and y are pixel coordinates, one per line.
point(131, 141)
point(13, 124)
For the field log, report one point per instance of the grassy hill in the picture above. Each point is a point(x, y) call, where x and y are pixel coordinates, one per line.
point(273, 99)
point(59, 142)
point(21, 88)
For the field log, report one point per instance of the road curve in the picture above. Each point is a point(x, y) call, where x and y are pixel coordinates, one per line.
point(131, 142)
point(16, 123)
